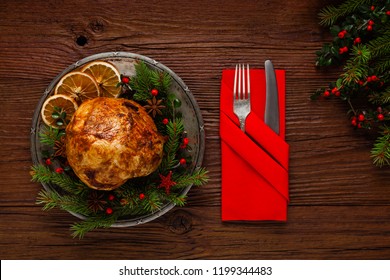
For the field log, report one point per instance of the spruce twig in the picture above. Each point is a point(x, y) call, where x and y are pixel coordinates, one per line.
point(44, 174)
point(175, 130)
point(198, 178)
point(50, 135)
point(81, 228)
point(380, 153)
point(70, 203)
point(330, 14)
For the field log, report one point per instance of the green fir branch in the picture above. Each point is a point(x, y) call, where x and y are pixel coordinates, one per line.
point(380, 98)
point(356, 68)
point(50, 135)
point(174, 130)
point(179, 200)
point(72, 203)
point(380, 153)
point(381, 65)
point(43, 174)
point(330, 14)
point(161, 81)
point(147, 79)
point(141, 82)
point(198, 178)
point(81, 228)
point(380, 46)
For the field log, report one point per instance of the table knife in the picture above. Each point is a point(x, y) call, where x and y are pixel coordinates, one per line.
point(271, 114)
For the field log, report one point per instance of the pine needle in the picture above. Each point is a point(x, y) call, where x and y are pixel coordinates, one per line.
point(380, 153)
point(381, 45)
point(44, 174)
point(198, 178)
point(80, 229)
point(50, 135)
point(175, 130)
point(330, 14)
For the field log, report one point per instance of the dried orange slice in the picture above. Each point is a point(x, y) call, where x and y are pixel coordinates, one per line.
point(58, 110)
point(78, 85)
point(106, 76)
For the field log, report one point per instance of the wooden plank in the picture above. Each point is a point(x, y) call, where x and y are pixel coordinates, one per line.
point(339, 200)
point(317, 232)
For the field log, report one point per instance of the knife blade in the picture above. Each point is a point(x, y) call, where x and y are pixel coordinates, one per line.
point(271, 114)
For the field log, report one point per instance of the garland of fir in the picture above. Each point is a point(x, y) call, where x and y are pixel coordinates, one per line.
point(138, 196)
point(361, 45)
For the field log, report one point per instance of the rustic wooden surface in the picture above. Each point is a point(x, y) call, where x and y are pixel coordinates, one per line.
point(340, 203)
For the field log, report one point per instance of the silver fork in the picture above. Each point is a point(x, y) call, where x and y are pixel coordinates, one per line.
point(241, 94)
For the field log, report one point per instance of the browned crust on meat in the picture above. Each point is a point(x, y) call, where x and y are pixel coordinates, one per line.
point(109, 141)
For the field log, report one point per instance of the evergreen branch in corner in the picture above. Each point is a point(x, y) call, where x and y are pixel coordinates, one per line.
point(330, 14)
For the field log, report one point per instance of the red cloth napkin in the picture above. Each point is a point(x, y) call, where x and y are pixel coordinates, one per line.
point(254, 163)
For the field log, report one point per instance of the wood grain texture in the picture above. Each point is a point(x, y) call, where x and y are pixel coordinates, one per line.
point(340, 203)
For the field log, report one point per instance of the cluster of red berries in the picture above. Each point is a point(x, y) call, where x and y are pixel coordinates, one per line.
point(335, 91)
point(343, 50)
point(370, 25)
point(58, 170)
point(370, 79)
point(183, 146)
point(109, 210)
point(358, 120)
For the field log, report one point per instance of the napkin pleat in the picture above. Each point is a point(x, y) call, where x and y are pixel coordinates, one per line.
point(267, 168)
point(254, 162)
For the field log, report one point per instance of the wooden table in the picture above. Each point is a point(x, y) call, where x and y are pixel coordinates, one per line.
point(340, 202)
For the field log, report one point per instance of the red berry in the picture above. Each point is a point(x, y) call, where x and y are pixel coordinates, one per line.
point(374, 78)
point(59, 170)
point(361, 117)
point(48, 161)
point(379, 109)
point(345, 49)
point(336, 91)
point(165, 121)
point(125, 80)
point(186, 141)
point(372, 8)
point(369, 28)
point(326, 93)
point(369, 79)
point(360, 82)
point(381, 117)
point(341, 50)
point(371, 22)
point(353, 121)
point(111, 197)
point(388, 13)
point(342, 34)
point(109, 211)
point(183, 161)
point(141, 196)
point(357, 40)
point(154, 92)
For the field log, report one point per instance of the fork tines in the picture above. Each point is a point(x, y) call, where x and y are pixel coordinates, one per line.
point(241, 89)
point(241, 94)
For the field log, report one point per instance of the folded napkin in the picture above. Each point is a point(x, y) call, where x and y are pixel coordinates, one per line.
point(254, 163)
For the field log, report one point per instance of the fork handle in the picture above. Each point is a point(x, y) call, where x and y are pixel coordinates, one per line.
point(242, 124)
